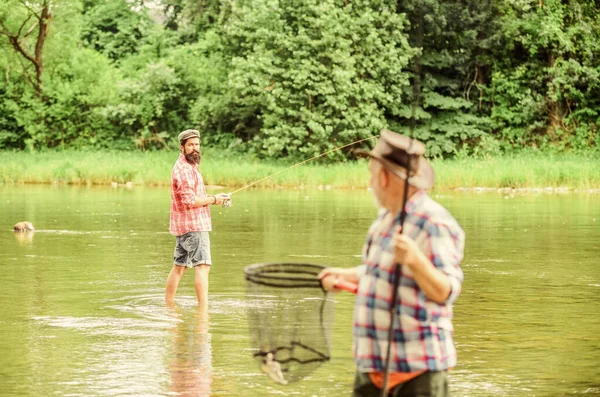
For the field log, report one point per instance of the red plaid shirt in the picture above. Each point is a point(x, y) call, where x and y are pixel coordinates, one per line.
point(186, 185)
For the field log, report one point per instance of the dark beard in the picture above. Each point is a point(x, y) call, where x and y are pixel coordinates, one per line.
point(193, 158)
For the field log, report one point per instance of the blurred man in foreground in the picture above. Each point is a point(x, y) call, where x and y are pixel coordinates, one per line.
point(427, 249)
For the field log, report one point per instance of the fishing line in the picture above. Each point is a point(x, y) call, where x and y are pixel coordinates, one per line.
point(300, 163)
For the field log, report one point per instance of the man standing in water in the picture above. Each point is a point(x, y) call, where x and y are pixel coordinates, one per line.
point(425, 252)
point(190, 219)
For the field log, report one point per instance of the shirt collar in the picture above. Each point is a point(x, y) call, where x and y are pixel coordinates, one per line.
point(415, 200)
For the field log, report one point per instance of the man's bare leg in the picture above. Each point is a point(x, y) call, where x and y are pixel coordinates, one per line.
point(173, 283)
point(201, 285)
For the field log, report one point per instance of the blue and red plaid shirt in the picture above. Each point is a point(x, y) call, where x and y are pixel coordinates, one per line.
point(186, 185)
point(422, 328)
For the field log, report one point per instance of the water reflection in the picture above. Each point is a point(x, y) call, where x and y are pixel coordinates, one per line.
point(190, 363)
point(24, 238)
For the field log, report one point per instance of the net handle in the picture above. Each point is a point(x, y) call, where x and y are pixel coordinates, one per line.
point(346, 286)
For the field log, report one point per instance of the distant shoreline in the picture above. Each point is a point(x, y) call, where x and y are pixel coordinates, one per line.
point(537, 190)
point(505, 191)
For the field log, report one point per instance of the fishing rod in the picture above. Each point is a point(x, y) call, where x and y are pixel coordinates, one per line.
point(302, 162)
point(413, 122)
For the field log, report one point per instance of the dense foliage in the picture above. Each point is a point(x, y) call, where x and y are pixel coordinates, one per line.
point(283, 79)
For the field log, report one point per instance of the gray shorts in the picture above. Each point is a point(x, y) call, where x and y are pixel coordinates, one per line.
point(192, 249)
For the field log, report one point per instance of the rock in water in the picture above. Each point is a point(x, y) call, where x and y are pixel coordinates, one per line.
point(23, 227)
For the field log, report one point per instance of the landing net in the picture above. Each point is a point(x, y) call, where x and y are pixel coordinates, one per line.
point(290, 319)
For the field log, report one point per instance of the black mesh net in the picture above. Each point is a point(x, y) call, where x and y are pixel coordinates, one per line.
point(290, 319)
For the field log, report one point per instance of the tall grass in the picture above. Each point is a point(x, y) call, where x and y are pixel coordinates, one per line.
point(525, 170)
point(235, 171)
point(154, 168)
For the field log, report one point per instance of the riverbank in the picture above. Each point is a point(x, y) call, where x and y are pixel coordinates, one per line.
point(522, 172)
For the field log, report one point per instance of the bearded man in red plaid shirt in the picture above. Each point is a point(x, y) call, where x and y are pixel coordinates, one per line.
point(425, 251)
point(190, 220)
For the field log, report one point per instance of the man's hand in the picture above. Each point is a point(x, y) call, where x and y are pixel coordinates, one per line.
point(434, 284)
point(328, 278)
point(227, 202)
point(220, 198)
point(406, 250)
point(332, 276)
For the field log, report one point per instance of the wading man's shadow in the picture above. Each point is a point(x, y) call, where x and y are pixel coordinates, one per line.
point(190, 364)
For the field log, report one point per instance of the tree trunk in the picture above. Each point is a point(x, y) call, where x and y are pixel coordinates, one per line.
point(555, 108)
point(44, 25)
point(17, 40)
point(416, 87)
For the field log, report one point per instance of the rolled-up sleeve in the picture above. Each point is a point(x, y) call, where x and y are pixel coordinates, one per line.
point(447, 243)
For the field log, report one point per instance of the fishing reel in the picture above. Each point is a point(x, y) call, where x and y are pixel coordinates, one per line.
point(227, 202)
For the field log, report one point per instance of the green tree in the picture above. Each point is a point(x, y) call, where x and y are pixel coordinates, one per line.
point(191, 18)
point(161, 86)
point(298, 79)
point(449, 37)
point(114, 28)
point(308, 76)
point(545, 82)
point(26, 31)
point(62, 108)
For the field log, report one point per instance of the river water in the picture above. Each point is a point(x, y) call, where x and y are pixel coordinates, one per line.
point(82, 312)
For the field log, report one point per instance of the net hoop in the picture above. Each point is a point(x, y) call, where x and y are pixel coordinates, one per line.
point(284, 275)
